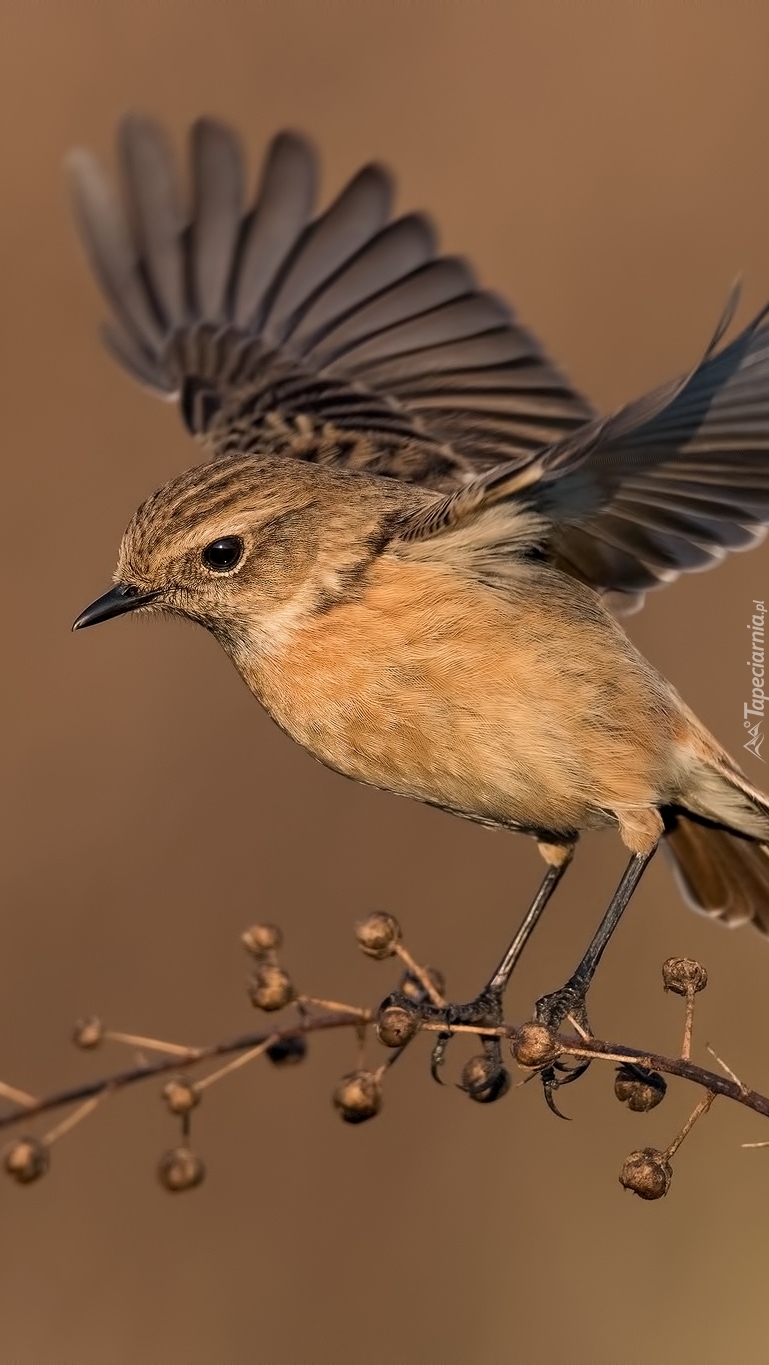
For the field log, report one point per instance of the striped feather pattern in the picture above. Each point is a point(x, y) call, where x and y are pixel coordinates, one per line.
point(350, 300)
point(343, 337)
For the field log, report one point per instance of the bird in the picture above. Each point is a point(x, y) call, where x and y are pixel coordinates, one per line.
point(410, 533)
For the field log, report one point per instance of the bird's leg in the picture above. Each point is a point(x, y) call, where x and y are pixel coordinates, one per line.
point(486, 1009)
point(570, 999)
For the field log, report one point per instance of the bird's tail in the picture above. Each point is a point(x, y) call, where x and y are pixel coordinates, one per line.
point(718, 838)
point(723, 874)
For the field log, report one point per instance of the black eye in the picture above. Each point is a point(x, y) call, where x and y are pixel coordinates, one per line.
point(223, 554)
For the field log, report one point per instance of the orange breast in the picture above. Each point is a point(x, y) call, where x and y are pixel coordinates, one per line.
point(519, 708)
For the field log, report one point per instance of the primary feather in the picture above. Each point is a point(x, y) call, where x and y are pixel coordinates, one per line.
point(345, 338)
point(346, 315)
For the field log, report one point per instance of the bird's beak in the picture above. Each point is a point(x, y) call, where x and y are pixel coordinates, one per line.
point(123, 597)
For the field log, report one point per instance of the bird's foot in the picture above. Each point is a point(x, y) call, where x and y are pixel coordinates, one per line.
point(568, 1003)
point(484, 1077)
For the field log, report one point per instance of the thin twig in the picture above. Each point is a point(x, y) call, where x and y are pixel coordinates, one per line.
point(138, 1040)
point(12, 1092)
point(304, 1000)
point(671, 1066)
point(569, 1045)
point(122, 1079)
point(479, 1030)
point(583, 1033)
point(237, 1062)
point(420, 975)
point(686, 1047)
point(72, 1120)
point(702, 1108)
point(726, 1068)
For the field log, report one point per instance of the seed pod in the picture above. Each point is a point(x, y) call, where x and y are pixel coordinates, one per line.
point(27, 1159)
point(261, 939)
point(358, 1096)
point(288, 1051)
point(639, 1088)
point(397, 1021)
point(682, 975)
point(180, 1169)
point(412, 987)
point(270, 987)
point(647, 1173)
point(181, 1094)
point(88, 1032)
point(378, 934)
point(484, 1080)
point(535, 1046)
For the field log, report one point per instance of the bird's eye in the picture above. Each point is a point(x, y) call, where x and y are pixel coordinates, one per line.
point(223, 554)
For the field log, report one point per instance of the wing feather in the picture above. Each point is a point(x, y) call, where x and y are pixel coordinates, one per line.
point(346, 337)
point(351, 300)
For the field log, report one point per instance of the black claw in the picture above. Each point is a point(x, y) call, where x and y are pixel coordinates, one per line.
point(552, 1010)
point(484, 1012)
point(551, 1083)
point(573, 1073)
point(438, 1056)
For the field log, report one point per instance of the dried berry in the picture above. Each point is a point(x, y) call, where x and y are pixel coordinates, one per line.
point(358, 1096)
point(181, 1094)
point(270, 987)
point(180, 1169)
point(412, 987)
point(261, 939)
point(639, 1088)
point(484, 1080)
point(88, 1032)
point(647, 1173)
point(27, 1159)
point(535, 1046)
point(683, 975)
point(378, 934)
point(288, 1051)
point(397, 1021)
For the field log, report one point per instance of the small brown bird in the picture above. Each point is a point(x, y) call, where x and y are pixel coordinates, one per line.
point(413, 529)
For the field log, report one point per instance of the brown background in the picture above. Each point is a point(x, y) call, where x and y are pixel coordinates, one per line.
point(606, 166)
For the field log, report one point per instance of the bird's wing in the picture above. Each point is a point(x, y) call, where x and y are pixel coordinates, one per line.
point(271, 324)
point(667, 484)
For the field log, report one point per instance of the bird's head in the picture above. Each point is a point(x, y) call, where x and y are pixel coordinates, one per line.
point(247, 547)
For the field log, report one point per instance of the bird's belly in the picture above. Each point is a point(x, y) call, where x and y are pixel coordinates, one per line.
point(474, 715)
point(455, 764)
point(502, 756)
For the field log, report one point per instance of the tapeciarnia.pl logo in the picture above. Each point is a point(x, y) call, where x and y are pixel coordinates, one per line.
point(755, 708)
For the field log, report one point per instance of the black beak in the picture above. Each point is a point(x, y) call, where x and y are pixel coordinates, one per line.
point(123, 597)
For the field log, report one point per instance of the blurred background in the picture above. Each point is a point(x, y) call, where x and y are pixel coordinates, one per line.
point(605, 166)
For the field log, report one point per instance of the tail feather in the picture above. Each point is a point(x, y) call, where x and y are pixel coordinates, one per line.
point(722, 874)
point(718, 838)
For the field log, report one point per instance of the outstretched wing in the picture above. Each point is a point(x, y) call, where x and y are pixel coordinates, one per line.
point(676, 491)
point(342, 337)
point(667, 484)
